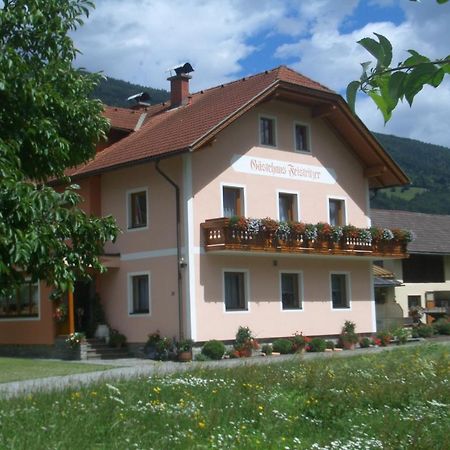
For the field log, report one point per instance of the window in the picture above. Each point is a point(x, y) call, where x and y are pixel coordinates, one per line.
point(336, 211)
point(267, 131)
point(139, 302)
point(340, 291)
point(414, 301)
point(235, 295)
point(233, 201)
point(23, 303)
point(423, 269)
point(290, 291)
point(137, 209)
point(301, 138)
point(287, 207)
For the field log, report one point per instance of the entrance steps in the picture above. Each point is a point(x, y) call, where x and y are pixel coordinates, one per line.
point(99, 349)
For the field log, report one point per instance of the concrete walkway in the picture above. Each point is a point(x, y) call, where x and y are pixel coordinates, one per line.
point(133, 367)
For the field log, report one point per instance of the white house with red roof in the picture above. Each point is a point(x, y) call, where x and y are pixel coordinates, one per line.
point(192, 184)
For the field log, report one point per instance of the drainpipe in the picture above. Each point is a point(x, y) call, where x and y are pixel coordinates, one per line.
point(180, 262)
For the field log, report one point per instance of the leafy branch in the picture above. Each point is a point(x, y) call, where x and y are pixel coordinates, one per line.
point(387, 85)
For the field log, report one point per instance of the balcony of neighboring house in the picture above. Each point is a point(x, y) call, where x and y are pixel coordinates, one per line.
point(240, 234)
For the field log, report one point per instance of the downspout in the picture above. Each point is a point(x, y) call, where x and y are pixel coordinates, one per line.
point(180, 263)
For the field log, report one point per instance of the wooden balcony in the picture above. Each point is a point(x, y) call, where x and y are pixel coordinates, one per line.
point(219, 236)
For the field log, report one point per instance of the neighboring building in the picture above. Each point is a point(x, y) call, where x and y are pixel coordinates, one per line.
point(277, 145)
point(425, 275)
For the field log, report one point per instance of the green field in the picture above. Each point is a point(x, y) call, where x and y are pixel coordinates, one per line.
point(17, 369)
point(390, 400)
point(406, 193)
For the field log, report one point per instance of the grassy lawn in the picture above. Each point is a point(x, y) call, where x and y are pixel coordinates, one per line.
point(390, 400)
point(16, 369)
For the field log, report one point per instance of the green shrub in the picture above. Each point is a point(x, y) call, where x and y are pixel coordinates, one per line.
point(283, 346)
point(442, 326)
point(402, 335)
point(365, 342)
point(201, 357)
point(267, 349)
point(317, 345)
point(213, 349)
point(425, 331)
point(330, 345)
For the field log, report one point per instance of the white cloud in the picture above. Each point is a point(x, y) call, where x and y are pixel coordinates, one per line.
point(138, 40)
point(427, 120)
point(333, 58)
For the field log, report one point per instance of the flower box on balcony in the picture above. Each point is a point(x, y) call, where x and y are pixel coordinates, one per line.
point(239, 233)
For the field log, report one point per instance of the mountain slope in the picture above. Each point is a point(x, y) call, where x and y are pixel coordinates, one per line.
point(428, 167)
point(115, 92)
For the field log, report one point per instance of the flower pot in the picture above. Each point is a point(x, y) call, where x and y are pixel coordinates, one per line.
point(102, 332)
point(185, 356)
point(245, 353)
point(348, 345)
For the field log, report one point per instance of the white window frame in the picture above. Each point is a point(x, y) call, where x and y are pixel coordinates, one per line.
point(233, 186)
point(246, 290)
point(128, 203)
point(300, 291)
point(336, 197)
point(130, 276)
point(275, 130)
point(308, 137)
point(348, 286)
point(27, 319)
point(296, 203)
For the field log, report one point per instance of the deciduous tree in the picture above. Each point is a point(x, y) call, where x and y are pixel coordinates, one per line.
point(47, 124)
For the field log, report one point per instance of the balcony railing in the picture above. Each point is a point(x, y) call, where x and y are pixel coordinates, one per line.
point(220, 235)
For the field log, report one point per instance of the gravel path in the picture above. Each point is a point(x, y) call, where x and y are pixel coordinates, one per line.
point(132, 368)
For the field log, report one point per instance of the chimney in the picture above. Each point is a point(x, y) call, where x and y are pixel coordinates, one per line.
point(179, 89)
point(179, 85)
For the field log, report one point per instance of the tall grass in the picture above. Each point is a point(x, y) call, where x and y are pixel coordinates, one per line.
point(393, 400)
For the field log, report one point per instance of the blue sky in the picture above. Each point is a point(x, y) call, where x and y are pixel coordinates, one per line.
point(138, 40)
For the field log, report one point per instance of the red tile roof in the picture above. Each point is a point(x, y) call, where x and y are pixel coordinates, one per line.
point(167, 131)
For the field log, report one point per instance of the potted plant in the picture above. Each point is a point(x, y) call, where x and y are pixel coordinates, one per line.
point(299, 342)
point(324, 232)
point(348, 338)
point(117, 339)
point(100, 327)
point(245, 342)
point(184, 350)
point(384, 338)
point(60, 314)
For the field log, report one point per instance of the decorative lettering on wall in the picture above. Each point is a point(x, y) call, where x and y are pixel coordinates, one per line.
point(282, 169)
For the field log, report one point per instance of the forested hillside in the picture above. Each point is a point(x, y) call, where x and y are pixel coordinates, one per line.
point(115, 92)
point(427, 165)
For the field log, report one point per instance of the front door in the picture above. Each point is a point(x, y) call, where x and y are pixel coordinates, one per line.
point(83, 299)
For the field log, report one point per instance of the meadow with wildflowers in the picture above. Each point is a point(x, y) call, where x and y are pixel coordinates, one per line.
point(390, 400)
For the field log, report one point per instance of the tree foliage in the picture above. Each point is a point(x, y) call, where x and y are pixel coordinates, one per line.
point(385, 84)
point(47, 124)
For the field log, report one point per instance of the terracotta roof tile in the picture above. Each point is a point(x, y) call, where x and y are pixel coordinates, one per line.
point(168, 130)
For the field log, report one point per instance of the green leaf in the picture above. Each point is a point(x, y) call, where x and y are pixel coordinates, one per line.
point(387, 49)
point(396, 82)
point(352, 89)
point(374, 48)
point(415, 58)
point(382, 106)
point(437, 78)
point(420, 75)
